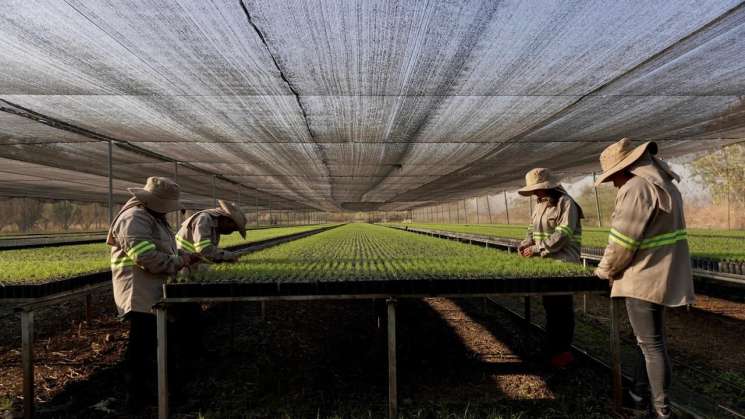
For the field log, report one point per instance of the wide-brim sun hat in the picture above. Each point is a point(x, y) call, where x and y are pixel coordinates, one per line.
point(539, 179)
point(160, 194)
point(234, 213)
point(621, 155)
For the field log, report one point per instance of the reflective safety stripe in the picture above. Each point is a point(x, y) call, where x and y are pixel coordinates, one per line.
point(121, 262)
point(140, 248)
point(648, 243)
point(193, 247)
point(664, 239)
point(622, 240)
point(564, 230)
point(186, 244)
point(203, 244)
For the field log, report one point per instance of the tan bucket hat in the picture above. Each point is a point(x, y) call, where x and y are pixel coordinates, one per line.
point(537, 179)
point(235, 214)
point(621, 155)
point(160, 194)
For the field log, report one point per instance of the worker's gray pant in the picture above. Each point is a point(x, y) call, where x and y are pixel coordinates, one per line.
point(653, 370)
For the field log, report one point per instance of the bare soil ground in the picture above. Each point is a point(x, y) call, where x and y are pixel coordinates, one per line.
point(313, 359)
point(708, 372)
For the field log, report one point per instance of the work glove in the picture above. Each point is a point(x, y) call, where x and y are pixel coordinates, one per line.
point(529, 251)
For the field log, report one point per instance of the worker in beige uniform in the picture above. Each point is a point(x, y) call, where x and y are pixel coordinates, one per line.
point(143, 256)
point(200, 233)
point(555, 232)
point(647, 260)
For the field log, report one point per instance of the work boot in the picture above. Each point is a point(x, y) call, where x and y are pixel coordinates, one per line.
point(664, 413)
point(634, 401)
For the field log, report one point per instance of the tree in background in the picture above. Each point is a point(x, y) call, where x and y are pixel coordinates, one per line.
point(6, 212)
point(64, 214)
point(88, 216)
point(722, 172)
point(586, 200)
point(26, 212)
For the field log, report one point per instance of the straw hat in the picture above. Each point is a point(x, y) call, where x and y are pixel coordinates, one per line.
point(234, 213)
point(621, 155)
point(537, 179)
point(160, 194)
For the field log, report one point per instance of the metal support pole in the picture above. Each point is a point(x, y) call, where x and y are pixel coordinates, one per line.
point(526, 308)
point(726, 173)
point(506, 206)
point(27, 359)
point(111, 185)
point(584, 303)
point(615, 350)
point(162, 335)
point(450, 214)
point(488, 208)
point(256, 202)
point(214, 190)
point(392, 383)
point(175, 179)
point(597, 201)
point(478, 219)
point(465, 212)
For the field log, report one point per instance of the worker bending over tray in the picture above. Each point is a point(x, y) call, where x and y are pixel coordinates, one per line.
point(200, 233)
point(647, 260)
point(555, 232)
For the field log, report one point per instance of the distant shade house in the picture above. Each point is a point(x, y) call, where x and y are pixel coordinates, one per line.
point(354, 105)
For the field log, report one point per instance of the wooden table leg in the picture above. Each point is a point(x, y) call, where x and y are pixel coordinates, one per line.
point(88, 308)
point(162, 327)
point(392, 383)
point(27, 359)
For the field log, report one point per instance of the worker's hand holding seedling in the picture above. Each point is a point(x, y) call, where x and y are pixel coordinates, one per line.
point(189, 259)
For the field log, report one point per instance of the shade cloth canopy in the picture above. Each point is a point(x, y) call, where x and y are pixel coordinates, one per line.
point(383, 104)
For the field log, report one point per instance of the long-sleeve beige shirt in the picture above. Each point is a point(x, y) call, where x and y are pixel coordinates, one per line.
point(647, 253)
point(143, 256)
point(556, 230)
point(199, 234)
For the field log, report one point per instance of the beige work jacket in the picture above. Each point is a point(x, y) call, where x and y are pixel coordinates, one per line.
point(647, 254)
point(143, 256)
point(199, 234)
point(556, 230)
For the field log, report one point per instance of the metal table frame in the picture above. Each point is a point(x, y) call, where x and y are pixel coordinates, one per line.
point(161, 311)
point(26, 307)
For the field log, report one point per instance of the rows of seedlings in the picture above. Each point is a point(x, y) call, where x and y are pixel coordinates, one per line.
point(711, 250)
point(33, 273)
